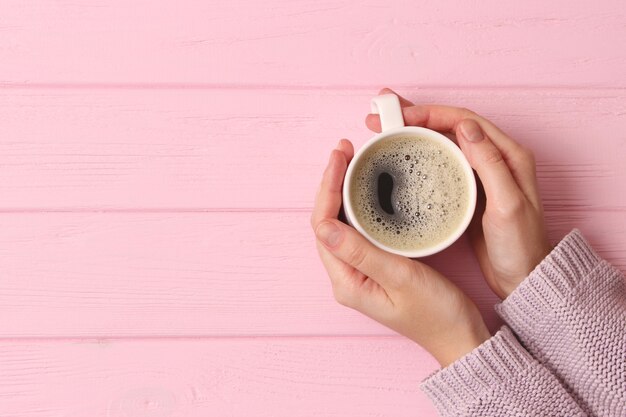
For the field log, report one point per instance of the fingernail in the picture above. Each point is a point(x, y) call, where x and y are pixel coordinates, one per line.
point(328, 233)
point(472, 131)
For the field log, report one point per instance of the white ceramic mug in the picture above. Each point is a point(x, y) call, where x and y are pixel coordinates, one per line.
point(392, 123)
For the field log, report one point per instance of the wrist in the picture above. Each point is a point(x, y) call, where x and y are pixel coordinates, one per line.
point(459, 342)
point(510, 284)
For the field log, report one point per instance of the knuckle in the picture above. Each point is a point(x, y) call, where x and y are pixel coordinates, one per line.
point(406, 275)
point(316, 219)
point(419, 273)
point(340, 295)
point(492, 156)
point(511, 208)
point(403, 273)
point(529, 155)
point(356, 256)
point(525, 161)
point(344, 295)
point(531, 160)
point(467, 112)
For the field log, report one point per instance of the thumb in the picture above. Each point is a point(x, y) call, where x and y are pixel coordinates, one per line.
point(487, 160)
point(389, 270)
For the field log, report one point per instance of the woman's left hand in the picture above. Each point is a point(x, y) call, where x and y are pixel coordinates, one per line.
point(508, 232)
point(404, 295)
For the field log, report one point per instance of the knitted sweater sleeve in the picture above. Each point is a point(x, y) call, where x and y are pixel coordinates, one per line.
point(499, 378)
point(570, 314)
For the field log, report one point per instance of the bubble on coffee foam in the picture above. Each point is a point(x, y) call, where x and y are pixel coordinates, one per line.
point(429, 197)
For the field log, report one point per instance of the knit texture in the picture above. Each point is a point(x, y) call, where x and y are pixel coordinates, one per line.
point(570, 317)
point(570, 314)
point(499, 378)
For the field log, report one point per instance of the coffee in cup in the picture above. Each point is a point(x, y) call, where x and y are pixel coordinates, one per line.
point(409, 190)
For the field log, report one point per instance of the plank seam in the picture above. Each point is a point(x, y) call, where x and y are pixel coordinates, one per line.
point(95, 210)
point(103, 339)
point(296, 87)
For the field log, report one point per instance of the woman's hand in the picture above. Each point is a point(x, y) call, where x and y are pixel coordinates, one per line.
point(406, 296)
point(511, 240)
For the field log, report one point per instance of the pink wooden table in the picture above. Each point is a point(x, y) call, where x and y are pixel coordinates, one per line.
point(158, 162)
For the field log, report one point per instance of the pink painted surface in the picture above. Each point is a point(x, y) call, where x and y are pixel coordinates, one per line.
point(266, 377)
point(314, 42)
point(203, 274)
point(158, 162)
point(181, 149)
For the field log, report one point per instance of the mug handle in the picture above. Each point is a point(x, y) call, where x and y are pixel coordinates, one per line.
point(390, 111)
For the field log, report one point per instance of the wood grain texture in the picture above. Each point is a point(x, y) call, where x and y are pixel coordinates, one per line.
point(258, 377)
point(312, 42)
point(158, 162)
point(203, 274)
point(181, 149)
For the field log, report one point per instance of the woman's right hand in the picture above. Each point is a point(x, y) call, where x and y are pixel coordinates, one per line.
point(404, 295)
point(511, 239)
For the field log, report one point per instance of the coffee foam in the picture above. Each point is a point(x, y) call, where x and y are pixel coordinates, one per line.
point(430, 194)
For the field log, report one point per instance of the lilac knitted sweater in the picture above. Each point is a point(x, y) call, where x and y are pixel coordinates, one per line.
point(563, 352)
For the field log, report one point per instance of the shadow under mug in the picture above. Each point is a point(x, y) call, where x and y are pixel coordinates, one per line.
point(392, 123)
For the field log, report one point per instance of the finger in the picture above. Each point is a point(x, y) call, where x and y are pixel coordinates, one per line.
point(445, 119)
point(520, 161)
point(351, 287)
point(348, 150)
point(501, 190)
point(328, 200)
point(412, 115)
point(479, 245)
point(389, 270)
point(346, 147)
point(403, 101)
point(372, 121)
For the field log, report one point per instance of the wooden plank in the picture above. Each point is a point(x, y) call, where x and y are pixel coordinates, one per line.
point(203, 274)
point(218, 377)
point(311, 42)
point(205, 149)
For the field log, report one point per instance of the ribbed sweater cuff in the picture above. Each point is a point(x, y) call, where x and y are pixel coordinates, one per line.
point(477, 374)
point(549, 285)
